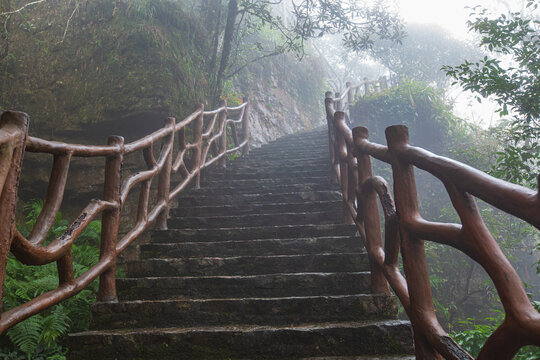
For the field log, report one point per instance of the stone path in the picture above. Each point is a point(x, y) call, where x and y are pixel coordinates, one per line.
point(255, 265)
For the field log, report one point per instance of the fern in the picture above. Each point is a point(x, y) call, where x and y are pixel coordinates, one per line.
point(25, 335)
point(54, 325)
point(40, 336)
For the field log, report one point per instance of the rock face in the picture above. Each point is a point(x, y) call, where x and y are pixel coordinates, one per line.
point(255, 265)
point(121, 69)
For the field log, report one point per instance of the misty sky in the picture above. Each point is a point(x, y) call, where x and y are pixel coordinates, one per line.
point(452, 16)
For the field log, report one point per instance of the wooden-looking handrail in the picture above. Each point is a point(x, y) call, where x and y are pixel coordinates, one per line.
point(406, 230)
point(14, 141)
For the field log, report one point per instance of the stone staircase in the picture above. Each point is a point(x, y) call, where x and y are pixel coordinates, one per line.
point(255, 265)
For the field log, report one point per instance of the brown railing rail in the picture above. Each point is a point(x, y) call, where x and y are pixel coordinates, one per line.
point(185, 160)
point(405, 230)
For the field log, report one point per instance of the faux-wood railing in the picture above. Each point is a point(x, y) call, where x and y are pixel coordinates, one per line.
point(209, 146)
point(405, 230)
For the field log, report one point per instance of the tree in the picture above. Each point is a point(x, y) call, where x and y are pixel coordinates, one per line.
point(299, 21)
point(422, 53)
point(511, 76)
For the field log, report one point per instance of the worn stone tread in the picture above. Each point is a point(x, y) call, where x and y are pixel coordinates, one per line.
point(271, 285)
point(246, 341)
point(249, 233)
point(284, 218)
point(287, 246)
point(251, 208)
point(249, 265)
point(251, 310)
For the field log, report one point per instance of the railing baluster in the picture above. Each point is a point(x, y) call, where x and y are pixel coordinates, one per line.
point(347, 186)
point(368, 207)
point(111, 219)
point(414, 259)
point(197, 139)
point(164, 180)
point(245, 127)
point(329, 108)
point(223, 138)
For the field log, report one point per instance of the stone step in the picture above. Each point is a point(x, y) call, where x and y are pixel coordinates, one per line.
point(248, 265)
point(245, 342)
point(293, 176)
point(293, 246)
point(382, 357)
point(251, 208)
point(326, 180)
point(269, 285)
point(261, 189)
point(192, 199)
point(303, 169)
point(250, 233)
point(262, 161)
point(322, 217)
point(296, 157)
point(298, 143)
point(291, 154)
point(261, 311)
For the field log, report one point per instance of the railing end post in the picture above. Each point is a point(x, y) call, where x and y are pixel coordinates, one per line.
point(397, 136)
point(360, 133)
point(13, 131)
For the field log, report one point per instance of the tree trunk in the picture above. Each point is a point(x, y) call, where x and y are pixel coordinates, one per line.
point(215, 46)
point(227, 45)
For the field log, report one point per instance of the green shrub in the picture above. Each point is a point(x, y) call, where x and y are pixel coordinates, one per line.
point(474, 338)
point(41, 336)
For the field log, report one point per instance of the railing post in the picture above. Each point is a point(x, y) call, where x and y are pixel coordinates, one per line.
point(350, 95)
point(329, 108)
point(223, 138)
point(197, 138)
point(414, 258)
point(338, 103)
point(344, 168)
point(366, 87)
point(164, 181)
point(13, 133)
point(369, 210)
point(245, 127)
point(111, 220)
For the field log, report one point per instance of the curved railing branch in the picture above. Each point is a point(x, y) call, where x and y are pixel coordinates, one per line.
point(185, 164)
point(351, 152)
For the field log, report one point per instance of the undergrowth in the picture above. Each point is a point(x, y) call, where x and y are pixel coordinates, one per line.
point(42, 336)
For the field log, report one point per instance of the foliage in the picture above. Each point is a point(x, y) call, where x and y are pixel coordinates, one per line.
point(287, 27)
point(414, 104)
point(422, 53)
point(511, 76)
point(473, 339)
point(41, 336)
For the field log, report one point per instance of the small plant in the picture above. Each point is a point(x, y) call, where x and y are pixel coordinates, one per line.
point(41, 336)
point(474, 338)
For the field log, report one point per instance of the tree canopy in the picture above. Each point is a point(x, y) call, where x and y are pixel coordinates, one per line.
point(511, 76)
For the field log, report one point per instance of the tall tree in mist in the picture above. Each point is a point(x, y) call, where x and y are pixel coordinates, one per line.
point(359, 23)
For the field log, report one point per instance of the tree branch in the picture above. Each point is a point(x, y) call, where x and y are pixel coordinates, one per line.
point(7, 13)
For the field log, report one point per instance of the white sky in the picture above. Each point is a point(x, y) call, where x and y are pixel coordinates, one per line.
point(452, 15)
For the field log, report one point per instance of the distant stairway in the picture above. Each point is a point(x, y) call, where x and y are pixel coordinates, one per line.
point(255, 265)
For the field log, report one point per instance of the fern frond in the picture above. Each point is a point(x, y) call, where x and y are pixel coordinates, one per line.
point(54, 325)
point(25, 335)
